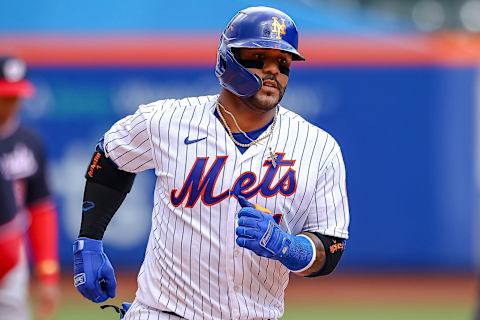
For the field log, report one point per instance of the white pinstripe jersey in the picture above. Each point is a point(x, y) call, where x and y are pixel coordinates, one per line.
point(192, 265)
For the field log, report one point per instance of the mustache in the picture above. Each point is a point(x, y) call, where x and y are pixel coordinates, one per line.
point(272, 77)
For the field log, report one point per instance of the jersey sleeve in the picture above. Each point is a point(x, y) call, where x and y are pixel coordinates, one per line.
point(328, 212)
point(128, 144)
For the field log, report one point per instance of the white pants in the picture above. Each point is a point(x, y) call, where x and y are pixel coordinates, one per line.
point(139, 311)
point(14, 292)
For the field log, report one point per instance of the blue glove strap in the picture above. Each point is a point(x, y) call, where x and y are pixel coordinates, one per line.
point(297, 253)
point(294, 252)
point(273, 240)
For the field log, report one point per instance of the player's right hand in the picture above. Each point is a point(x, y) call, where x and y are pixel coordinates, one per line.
point(258, 231)
point(93, 277)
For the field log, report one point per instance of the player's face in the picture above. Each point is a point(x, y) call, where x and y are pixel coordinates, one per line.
point(8, 108)
point(272, 66)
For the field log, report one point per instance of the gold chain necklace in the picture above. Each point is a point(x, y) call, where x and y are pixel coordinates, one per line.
point(252, 142)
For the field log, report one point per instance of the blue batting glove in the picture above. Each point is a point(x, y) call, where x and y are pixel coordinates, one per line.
point(244, 203)
point(258, 232)
point(93, 277)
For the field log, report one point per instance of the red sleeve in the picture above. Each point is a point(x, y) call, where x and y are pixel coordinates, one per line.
point(43, 234)
point(10, 249)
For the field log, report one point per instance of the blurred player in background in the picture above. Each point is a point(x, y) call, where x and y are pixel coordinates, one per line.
point(247, 191)
point(22, 162)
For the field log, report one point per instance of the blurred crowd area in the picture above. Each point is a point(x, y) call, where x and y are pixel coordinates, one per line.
point(193, 16)
point(425, 15)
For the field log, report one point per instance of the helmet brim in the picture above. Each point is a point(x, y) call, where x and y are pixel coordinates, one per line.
point(268, 44)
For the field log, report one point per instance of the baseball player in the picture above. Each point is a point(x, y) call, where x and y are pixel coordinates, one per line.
point(22, 163)
point(246, 193)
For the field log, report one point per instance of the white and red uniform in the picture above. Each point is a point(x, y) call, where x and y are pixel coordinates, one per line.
point(22, 163)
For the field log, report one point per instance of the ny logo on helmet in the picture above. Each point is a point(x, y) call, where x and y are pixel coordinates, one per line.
point(278, 28)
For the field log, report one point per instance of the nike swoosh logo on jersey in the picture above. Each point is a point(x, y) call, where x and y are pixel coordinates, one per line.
point(193, 141)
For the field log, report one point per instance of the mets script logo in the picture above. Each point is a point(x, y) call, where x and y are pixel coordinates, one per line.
point(200, 185)
point(278, 28)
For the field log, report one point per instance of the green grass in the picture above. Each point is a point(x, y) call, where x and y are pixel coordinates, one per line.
point(89, 311)
point(83, 311)
point(346, 312)
point(348, 298)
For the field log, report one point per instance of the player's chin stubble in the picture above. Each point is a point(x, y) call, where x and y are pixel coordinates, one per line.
point(266, 101)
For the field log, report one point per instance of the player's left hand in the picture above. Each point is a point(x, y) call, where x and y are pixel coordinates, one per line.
point(257, 231)
point(94, 277)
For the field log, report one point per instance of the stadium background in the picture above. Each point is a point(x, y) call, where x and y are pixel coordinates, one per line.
point(399, 89)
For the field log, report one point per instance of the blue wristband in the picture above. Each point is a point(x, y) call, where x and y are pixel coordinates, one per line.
point(298, 253)
point(87, 244)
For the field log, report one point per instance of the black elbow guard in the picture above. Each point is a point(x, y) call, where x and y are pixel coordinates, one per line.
point(334, 248)
point(104, 171)
point(105, 190)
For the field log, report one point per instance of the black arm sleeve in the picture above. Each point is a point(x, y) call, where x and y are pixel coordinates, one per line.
point(105, 189)
point(99, 205)
point(334, 248)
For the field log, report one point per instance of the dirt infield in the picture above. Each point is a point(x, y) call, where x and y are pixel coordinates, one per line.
point(339, 296)
point(384, 289)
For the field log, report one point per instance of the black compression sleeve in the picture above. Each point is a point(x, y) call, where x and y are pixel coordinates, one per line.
point(99, 205)
point(104, 171)
point(334, 248)
point(106, 188)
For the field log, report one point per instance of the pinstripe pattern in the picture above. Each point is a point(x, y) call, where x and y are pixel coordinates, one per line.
point(193, 266)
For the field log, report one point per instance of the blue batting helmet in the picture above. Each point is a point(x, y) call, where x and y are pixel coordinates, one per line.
point(254, 27)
